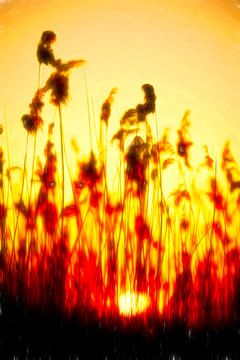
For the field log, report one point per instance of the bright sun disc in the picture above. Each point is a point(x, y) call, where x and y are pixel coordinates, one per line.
point(131, 304)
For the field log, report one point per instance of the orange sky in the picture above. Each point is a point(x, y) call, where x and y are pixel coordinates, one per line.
point(189, 50)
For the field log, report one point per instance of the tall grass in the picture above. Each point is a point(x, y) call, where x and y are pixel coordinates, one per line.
point(160, 242)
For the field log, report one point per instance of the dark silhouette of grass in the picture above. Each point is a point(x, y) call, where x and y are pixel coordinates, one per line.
point(178, 250)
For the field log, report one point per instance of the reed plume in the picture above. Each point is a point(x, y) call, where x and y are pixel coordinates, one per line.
point(45, 53)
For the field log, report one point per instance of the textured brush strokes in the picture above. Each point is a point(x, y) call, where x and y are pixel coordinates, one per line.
point(189, 51)
point(143, 249)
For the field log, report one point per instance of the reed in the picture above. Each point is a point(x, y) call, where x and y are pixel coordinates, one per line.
point(165, 243)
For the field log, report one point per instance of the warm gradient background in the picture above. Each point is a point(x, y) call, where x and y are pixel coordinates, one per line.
point(189, 50)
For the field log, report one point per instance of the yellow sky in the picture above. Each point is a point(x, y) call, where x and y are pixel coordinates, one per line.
point(189, 50)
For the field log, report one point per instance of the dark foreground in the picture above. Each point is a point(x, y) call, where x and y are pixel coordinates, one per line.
point(27, 333)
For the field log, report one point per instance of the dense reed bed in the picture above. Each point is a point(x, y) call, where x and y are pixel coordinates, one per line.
point(162, 242)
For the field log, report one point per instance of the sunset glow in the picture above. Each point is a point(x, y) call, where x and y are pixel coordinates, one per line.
point(188, 50)
point(120, 177)
point(131, 304)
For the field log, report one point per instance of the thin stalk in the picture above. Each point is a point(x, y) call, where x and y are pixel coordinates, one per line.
point(62, 160)
point(33, 159)
point(9, 172)
point(35, 142)
point(21, 197)
point(159, 257)
point(79, 217)
point(29, 203)
point(88, 107)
